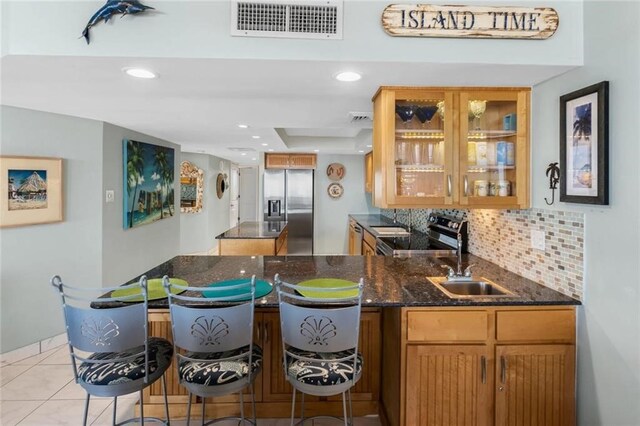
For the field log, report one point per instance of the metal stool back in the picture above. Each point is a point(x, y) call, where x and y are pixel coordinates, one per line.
point(114, 335)
point(218, 325)
point(318, 332)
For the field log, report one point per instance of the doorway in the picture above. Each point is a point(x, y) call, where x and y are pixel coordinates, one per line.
point(234, 195)
point(248, 194)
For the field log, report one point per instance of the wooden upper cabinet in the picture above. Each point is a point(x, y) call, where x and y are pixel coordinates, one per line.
point(290, 161)
point(451, 147)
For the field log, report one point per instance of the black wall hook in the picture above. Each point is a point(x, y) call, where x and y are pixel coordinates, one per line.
point(553, 173)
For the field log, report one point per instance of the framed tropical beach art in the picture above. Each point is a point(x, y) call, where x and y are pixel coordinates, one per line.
point(148, 183)
point(584, 145)
point(34, 190)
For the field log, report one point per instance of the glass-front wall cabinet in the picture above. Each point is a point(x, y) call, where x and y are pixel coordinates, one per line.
point(494, 149)
point(415, 141)
point(451, 147)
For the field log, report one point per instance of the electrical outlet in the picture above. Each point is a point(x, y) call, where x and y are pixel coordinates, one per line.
point(110, 196)
point(537, 239)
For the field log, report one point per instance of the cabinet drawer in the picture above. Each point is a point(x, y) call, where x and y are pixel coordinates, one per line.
point(369, 239)
point(536, 325)
point(447, 326)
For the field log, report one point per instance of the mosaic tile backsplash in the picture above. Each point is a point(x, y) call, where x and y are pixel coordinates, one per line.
point(503, 237)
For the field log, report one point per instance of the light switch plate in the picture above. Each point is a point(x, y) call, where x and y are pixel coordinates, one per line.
point(537, 239)
point(110, 196)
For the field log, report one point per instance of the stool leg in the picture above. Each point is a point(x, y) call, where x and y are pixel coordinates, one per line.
point(204, 402)
point(302, 409)
point(293, 405)
point(253, 404)
point(350, 406)
point(189, 410)
point(242, 405)
point(86, 410)
point(141, 409)
point(166, 402)
point(115, 404)
point(344, 409)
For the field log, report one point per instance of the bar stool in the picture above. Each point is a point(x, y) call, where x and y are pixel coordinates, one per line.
point(213, 342)
point(320, 342)
point(123, 359)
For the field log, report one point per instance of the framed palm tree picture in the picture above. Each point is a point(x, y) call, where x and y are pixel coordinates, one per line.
point(148, 183)
point(584, 145)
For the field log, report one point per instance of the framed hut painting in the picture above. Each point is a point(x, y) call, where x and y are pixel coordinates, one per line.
point(148, 183)
point(584, 145)
point(34, 190)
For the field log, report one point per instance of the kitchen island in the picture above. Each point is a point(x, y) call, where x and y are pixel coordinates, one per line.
point(412, 336)
point(254, 239)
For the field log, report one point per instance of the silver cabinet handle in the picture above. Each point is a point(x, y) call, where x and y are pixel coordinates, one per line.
point(266, 332)
point(449, 185)
point(483, 369)
point(466, 185)
point(503, 369)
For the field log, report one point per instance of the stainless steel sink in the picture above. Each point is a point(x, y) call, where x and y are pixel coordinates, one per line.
point(471, 288)
point(390, 231)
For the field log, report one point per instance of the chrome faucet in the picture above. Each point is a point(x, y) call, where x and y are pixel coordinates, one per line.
point(458, 275)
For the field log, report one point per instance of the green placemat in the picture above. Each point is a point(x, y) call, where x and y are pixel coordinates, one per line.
point(155, 290)
point(262, 289)
point(327, 283)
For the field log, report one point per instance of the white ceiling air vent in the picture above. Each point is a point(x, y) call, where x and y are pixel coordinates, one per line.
point(292, 19)
point(360, 117)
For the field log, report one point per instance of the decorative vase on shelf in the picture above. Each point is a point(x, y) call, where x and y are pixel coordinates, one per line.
point(476, 109)
point(425, 114)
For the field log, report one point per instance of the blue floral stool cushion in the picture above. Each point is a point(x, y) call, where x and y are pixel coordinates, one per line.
point(211, 372)
point(117, 378)
point(322, 371)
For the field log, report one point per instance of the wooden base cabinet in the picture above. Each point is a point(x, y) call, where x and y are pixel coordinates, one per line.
point(479, 366)
point(272, 391)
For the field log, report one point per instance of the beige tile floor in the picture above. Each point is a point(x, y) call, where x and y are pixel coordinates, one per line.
point(40, 391)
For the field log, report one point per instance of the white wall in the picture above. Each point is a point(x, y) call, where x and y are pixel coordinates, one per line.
point(609, 321)
point(198, 230)
point(200, 29)
point(330, 233)
point(30, 255)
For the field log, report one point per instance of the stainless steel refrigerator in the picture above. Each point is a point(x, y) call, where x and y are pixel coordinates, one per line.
point(288, 196)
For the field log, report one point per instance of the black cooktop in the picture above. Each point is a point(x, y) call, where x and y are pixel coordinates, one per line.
point(416, 241)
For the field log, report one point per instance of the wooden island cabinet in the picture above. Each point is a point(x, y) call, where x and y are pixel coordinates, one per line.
point(479, 366)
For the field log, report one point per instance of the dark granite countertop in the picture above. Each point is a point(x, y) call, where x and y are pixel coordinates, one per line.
point(389, 281)
point(369, 220)
point(254, 230)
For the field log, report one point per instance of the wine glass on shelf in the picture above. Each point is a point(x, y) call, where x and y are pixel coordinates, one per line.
point(425, 114)
point(476, 109)
point(405, 112)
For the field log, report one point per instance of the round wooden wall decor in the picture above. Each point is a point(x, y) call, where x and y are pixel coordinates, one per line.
point(221, 185)
point(335, 190)
point(336, 171)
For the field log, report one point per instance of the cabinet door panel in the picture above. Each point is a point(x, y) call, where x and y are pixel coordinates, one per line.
point(448, 385)
point(535, 385)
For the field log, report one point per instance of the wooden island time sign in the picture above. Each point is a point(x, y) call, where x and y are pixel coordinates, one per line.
point(427, 20)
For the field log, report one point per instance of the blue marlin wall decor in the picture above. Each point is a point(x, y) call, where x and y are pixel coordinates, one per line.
point(112, 7)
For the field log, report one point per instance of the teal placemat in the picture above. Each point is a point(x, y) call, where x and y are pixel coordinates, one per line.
point(155, 290)
point(262, 289)
point(327, 283)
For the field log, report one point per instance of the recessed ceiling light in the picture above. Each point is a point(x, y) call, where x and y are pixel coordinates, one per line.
point(316, 150)
point(255, 137)
point(369, 146)
point(270, 150)
point(348, 76)
point(243, 153)
point(140, 73)
point(265, 144)
point(253, 159)
point(243, 126)
point(361, 151)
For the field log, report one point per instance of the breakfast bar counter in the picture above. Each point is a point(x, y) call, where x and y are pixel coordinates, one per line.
point(406, 324)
